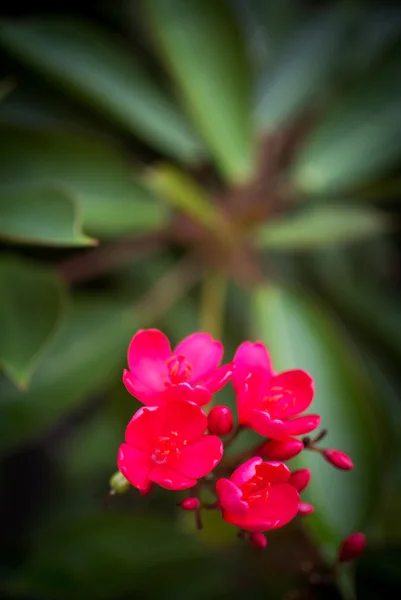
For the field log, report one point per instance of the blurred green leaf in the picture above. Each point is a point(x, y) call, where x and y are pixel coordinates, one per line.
point(7, 85)
point(87, 352)
point(322, 225)
point(300, 334)
point(182, 192)
point(87, 169)
point(90, 65)
point(204, 50)
point(32, 304)
point(301, 74)
point(358, 139)
point(362, 304)
point(41, 216)
point(111, 555)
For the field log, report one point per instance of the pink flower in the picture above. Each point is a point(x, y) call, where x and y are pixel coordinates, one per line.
point(257, 496)
point(268, 402)
point(352, 547)
point(166, 445)
point(190, 372)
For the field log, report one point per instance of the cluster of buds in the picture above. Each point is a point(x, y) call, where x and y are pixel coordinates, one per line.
point(171, 441)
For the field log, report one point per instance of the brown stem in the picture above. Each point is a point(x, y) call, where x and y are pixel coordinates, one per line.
point(89, 264)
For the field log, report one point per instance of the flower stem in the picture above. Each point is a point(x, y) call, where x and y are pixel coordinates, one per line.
point(214, 290)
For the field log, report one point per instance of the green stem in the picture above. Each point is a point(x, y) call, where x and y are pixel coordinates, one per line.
point(214, 291)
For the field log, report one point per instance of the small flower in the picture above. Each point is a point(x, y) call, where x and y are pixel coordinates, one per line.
point(257, 496)
point(220, 420)
point(258, 540)
point(300, 479)
point(158, 375)
point(267, 401)
point(190, 503)
point(306, 509)
point(281, 449)
point(167, 445)
point(338, 459)
point(352, 547)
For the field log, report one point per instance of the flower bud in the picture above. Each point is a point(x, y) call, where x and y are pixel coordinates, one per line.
point(305, 509)
point(190, 504)
point(220, 420)
point(338, 459)
point(281, 449)
point(119, 484)
point(258, 540)
point(352, 547)
point(300, 479)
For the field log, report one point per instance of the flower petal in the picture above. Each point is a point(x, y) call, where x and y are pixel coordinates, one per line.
point(246, 471)
point(134, 465)
point(199, 458)
point(302, 425)
point(300, 385)
point(186, 419)
point(230, 498)
point(248, 358)
point(273, 472)
point(203, 353)
point(185, 392)
point(147, 355)
point(169, 479)
point(218, 378)
point(140, 390)
point(262, 423)
point(279, 509)
point(145, 428)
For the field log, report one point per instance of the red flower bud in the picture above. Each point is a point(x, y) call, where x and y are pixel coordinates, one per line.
point(338, 459)
point(258, 540)
point(220, 420)
point(300, 479)
point(352, 547)
point(190, 504)
point(305, 509)
point(281, 449)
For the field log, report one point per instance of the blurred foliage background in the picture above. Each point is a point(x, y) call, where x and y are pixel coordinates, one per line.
point(230, 166)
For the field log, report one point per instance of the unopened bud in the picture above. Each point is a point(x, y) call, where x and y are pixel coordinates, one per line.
point(220, 420)
point(305, 509)
point(118, 483)
point(190, 504)
point(352, 547)
point(258, 540)
point(281, 449)
point(338, 459)
point(300, 479)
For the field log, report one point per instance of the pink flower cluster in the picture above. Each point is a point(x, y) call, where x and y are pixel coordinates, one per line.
point(173, 443)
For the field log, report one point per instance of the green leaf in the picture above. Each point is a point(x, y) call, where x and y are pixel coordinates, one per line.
point(358, 139)
point(31, 308)
point(104, 74)
point(204, 51)
point(111, 555)
point(182, 192)
point(322, 225)
point(87, 352)
point(299, 334)
point(41, 216)
point(90, 171)
point(301, 73)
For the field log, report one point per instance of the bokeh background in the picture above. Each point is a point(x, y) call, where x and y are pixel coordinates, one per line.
point(229, 166)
